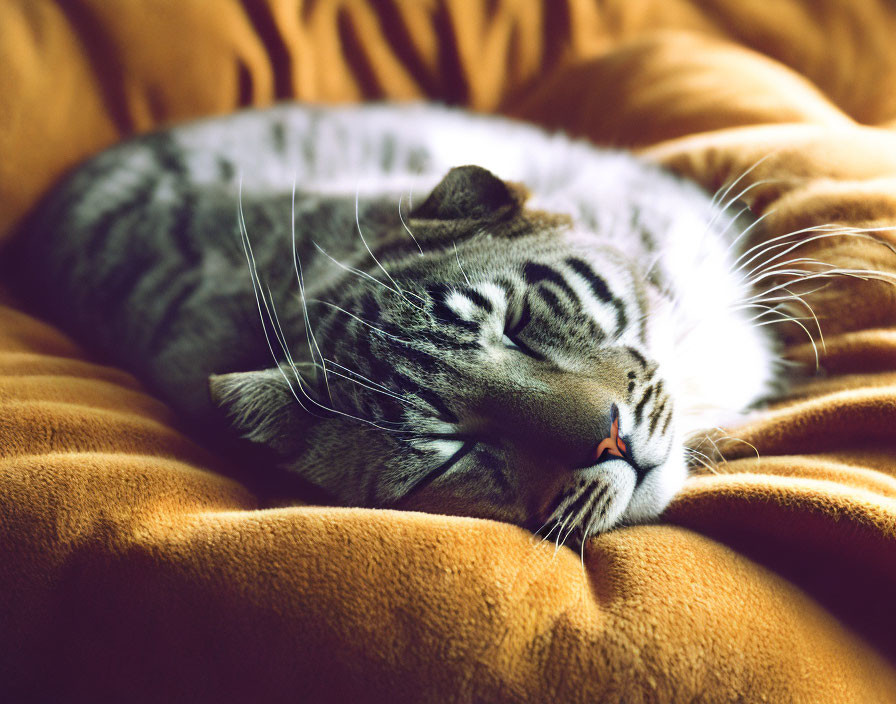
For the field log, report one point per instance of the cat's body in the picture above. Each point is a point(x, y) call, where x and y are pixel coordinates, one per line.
point(498, 358)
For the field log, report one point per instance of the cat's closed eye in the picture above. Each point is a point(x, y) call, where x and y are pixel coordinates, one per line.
point(508, 342)
point(514, 343)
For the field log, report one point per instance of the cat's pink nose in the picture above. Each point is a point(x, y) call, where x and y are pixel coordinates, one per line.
point(613, 445)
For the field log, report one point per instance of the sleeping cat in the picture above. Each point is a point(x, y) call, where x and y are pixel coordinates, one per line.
point(414, 307)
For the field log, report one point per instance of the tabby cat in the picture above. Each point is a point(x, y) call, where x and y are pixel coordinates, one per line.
point(414, 307)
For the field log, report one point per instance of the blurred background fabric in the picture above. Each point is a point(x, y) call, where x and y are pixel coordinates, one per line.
point(133, 569)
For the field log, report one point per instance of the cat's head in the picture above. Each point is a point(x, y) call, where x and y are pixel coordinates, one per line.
point(502, 373)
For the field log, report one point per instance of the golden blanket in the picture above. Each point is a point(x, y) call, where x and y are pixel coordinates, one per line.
point(133, 570)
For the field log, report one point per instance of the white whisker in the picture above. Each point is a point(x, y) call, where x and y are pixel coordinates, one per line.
point(742, 193)
point(749, 227)
point(828, 230)
point(739, 179)
point(361, 320)
point(349, 377)
point(376, 261)
point(579, 518)
point(274, 324)
point(558, 544)
point(357, 377)
point(253, 274)
point(725, 436)
point(460, 266)
point(352, 270)
point(405, 225)
point(792, 246)
point(703, 459)
point(297, 264)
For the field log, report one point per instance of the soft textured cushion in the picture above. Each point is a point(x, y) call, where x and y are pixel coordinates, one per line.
point(133, 569)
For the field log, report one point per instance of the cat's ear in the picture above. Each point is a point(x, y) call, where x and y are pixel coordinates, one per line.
point(261, 407)
point(470, 193)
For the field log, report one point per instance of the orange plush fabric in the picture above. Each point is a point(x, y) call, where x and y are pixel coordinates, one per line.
point(133, 570)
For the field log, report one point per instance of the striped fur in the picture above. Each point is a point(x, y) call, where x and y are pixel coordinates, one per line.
point(401, 337)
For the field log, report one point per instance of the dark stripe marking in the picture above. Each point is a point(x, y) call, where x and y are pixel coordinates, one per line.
point(370, 309)
point(639, 409)
point(657, 411)
point(278, 137)
point(497, 468)
point(639, 358)
point(576, 506)
point(333, 328)
point(162, 327)
point(536, 273)
point(444, 340)
point(667, 421)
point(226, 169)
point(600, 289)
point(167, 153)
point(427, 362)
point(102, 227)
point(477, 298)
point(438, 405)
point(181, 229)
point(552, 301)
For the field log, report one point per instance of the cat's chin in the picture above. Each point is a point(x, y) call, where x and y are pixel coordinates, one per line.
point(628, 503)
point(659, 487)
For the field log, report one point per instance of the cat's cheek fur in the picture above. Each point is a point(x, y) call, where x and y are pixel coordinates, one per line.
point(716, 360)
point(342, 457)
